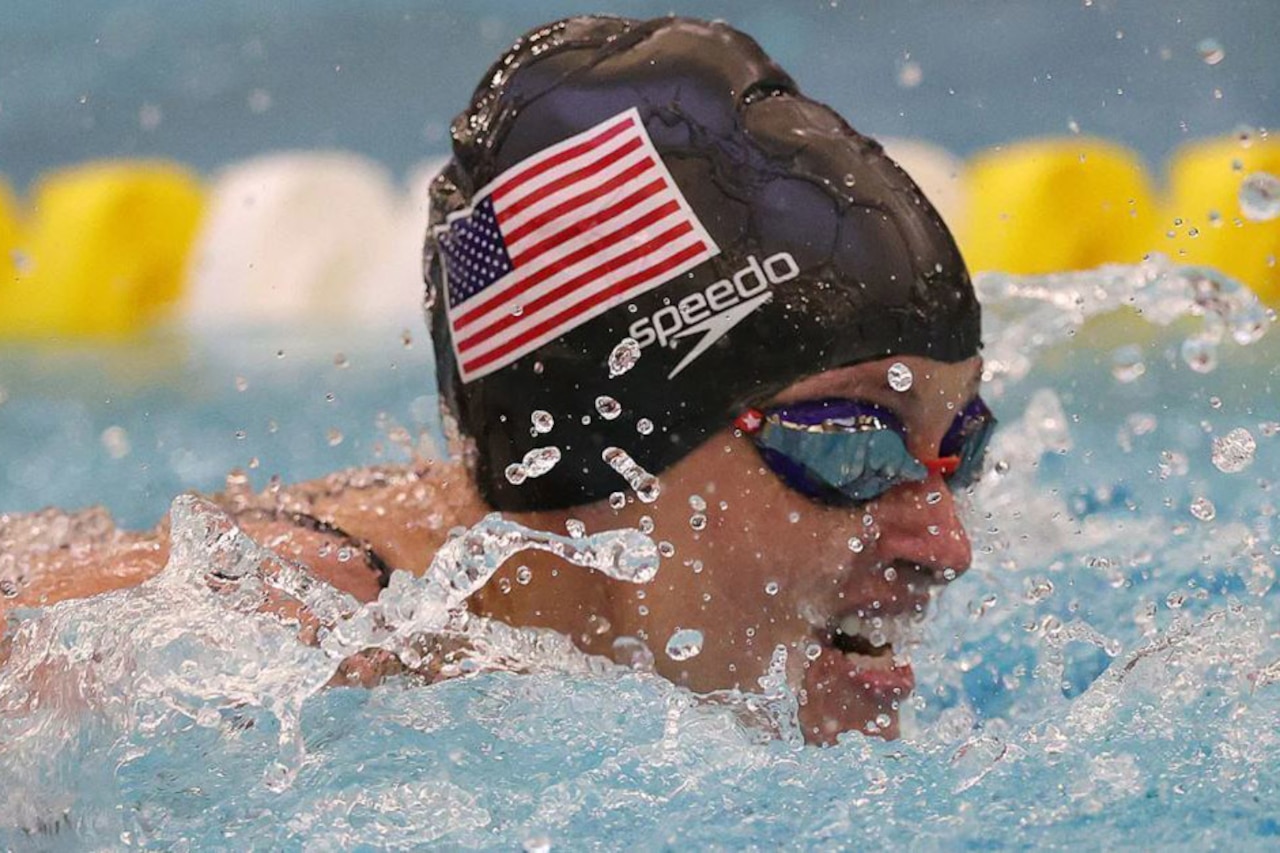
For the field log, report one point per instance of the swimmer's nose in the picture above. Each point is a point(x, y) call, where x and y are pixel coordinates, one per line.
point(920, 523)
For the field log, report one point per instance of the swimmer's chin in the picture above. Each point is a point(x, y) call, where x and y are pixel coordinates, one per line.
point(844, 692)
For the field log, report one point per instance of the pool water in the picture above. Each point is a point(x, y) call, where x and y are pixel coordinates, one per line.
point(1106, 675)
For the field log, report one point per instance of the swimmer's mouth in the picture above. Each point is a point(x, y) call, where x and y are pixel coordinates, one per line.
point(857, 644)
point(874, 637)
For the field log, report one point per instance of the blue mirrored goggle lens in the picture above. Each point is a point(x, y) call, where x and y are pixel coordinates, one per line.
point(967, 439)
point(844, 452)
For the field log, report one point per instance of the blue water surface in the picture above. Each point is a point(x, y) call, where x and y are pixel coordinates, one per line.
point(1105, 676)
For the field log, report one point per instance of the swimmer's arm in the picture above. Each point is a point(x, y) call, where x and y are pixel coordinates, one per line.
point(402, 513)
point(39, 576)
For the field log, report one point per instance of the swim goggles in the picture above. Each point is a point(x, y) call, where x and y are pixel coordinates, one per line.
point(843, 452)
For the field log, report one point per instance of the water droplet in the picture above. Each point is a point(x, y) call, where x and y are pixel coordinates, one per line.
point(115, 439)
point(793, 517)
point(516, 473)
point(644, 484)
point(618, 500)
point(1215, 402)
point(1038, 590)
point(540, 460)
point(910, 75)
point(523, 575)
point(771, 588)
point(855, 545)
point(1211, 52)
point(608, 407)
point(900, 377)
point(646, 524)
point(644, 426)
point(624, 357)
point(685, 643)
point(1127, 364)
point(698, 521)
point(542, 422)
point(697, 504)
point(1203, 509)
point(666, 549)
point(575, 528)
point(1175, 599)
point(813, 651)
point(648, 490)
point(334, 436)
point(242, 384)
point(1233, 452)
point(1200, 354)
point(890, 574)
point(340, 361)
point(933, 498)
point(883, 721)
point(1260, 197)
point(279, 353)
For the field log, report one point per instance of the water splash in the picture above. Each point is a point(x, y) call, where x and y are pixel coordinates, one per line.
point(1023, 316)
point(1127, 674)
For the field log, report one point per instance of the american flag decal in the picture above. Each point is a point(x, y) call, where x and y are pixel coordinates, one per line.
point(560, 238)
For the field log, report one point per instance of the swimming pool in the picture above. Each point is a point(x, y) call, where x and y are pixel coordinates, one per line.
point(1105, 674)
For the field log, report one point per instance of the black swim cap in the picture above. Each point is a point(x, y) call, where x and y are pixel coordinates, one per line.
point(789, 245)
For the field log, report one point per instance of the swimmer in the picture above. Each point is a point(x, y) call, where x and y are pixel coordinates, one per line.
point(668, 291)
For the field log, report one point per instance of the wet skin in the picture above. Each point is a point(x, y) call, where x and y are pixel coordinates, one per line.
point(768, 534)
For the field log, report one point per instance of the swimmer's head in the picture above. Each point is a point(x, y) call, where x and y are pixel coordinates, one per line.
point(663, 181)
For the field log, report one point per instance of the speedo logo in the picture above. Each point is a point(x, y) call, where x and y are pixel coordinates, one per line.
point(715, 309)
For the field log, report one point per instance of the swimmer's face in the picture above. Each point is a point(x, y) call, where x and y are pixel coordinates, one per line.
point(774, 568)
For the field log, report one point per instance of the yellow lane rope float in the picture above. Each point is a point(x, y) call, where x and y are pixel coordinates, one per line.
point(1043, 206)
point(1210, 219)
point(108, 248)
point(100, 250)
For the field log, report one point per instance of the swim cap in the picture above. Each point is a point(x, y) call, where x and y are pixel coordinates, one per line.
point(663, 181)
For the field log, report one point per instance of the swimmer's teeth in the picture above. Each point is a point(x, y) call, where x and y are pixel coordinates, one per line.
point(897, 632)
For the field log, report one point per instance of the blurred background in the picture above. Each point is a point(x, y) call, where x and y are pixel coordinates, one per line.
point(211, 214)
point(208, 84)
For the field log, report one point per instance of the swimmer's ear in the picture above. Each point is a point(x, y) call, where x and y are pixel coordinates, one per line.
point(1052, 205)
